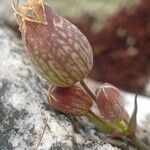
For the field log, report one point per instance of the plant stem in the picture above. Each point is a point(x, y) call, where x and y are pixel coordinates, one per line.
point(87, 90)
point(106, 127)
point(100, 123)
point(138, 143)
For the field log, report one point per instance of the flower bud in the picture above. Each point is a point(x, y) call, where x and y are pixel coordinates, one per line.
point(110, 104)
point(71, 100)
point(57, 49)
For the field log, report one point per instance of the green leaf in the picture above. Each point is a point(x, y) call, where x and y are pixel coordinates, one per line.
point(133, 121)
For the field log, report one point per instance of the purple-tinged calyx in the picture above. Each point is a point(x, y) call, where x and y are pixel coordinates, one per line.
point(71, 100)
point(57, 49)
point(110, 104)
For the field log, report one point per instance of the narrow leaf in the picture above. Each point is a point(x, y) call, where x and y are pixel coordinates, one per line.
point(133, 121)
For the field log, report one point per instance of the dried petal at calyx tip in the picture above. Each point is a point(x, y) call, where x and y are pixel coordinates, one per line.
point(32, 10)
point(59, 52)
point(110, 104)
point(72, 100)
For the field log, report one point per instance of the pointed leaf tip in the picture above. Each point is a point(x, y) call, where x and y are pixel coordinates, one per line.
point(133, 121)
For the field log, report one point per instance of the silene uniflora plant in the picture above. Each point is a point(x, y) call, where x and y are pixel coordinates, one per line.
point(62, 55)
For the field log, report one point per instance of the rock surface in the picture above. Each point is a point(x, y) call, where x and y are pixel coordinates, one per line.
point(24, 112)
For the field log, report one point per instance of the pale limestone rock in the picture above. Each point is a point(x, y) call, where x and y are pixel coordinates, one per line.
point(23, 108)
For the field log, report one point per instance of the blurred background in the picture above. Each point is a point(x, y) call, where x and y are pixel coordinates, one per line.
point(119, 32)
